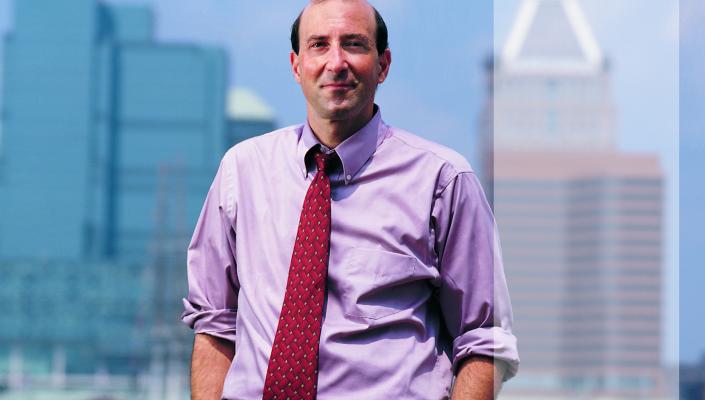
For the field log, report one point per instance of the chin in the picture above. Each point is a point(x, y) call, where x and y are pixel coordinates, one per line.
point(348, 108)
point(340, 112)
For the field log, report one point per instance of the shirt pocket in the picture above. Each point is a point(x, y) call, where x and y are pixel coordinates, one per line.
point(376, 283)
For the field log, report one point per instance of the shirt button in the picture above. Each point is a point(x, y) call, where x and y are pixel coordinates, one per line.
point(349, 177)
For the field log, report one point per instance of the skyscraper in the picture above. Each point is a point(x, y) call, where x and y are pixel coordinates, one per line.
point(48, 120)
point(580, 220)
point(110, 142)
point(100, 121)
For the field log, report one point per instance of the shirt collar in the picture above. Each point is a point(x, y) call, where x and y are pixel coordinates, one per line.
point(353, 152)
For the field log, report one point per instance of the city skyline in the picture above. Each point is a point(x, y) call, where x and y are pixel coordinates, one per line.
point(460, 76)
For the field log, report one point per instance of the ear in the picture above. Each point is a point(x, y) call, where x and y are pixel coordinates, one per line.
point(294, 59)
point(385, 61)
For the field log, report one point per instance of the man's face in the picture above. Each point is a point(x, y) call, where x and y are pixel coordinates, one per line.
point(338, 65)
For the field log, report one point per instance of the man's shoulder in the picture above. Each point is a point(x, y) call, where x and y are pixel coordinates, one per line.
point(420, 146)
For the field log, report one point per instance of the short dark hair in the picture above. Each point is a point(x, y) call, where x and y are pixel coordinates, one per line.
point(381, 33)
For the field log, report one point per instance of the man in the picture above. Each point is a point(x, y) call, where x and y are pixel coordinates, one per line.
point(344, 258)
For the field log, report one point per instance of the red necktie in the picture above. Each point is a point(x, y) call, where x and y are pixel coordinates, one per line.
point(293, 364)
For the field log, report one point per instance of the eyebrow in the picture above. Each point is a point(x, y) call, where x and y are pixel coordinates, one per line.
point(356, 36)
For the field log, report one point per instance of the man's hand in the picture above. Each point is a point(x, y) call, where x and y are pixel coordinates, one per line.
point(479, 378)
point(210, 362)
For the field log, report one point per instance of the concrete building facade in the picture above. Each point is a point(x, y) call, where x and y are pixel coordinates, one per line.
point(581, 221)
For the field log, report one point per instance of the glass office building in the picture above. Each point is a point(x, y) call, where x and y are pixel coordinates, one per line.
point(98, 118)
point(110, 142)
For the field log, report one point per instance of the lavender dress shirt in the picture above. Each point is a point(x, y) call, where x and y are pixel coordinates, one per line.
point(415, 279)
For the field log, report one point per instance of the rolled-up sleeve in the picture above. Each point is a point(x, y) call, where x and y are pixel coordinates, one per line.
point(473, 293)
point(211, 305)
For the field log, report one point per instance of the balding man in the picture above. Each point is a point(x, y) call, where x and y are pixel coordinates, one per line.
point(345, 258)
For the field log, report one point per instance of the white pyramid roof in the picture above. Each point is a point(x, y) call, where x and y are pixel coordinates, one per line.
point(244, 104)
point(551, 36)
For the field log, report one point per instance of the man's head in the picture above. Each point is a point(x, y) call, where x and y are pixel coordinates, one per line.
point(339, 57)
point(381, 33)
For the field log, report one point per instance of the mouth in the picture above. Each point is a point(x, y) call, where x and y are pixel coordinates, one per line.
point(338, 86)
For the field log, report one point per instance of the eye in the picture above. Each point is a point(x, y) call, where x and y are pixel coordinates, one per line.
point(317, 45)
point(353, 43)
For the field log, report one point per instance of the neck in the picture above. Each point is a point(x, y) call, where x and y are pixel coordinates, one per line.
point(333, 132)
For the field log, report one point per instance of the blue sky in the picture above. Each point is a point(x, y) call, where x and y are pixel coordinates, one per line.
point(692, 162)
point(430, 65)
point(436, 85)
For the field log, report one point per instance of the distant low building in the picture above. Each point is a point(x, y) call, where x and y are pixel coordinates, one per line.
point(248, 116)
point(65, 318)
point(692, 380)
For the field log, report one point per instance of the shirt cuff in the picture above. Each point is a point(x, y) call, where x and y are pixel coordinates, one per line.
point(218, 323)
point(493, 342)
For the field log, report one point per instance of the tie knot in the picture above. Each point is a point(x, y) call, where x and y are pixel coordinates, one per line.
point(324, 162)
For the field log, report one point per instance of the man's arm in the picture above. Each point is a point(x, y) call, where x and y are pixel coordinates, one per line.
point(473, 294)
point(210, 308)
point(210, 362)
point(478, 379)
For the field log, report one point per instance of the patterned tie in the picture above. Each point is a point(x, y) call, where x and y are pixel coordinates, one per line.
point(293, 365)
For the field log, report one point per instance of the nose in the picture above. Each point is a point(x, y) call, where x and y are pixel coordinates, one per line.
point(337, 62)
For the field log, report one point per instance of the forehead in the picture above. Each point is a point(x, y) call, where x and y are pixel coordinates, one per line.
point(337, 16)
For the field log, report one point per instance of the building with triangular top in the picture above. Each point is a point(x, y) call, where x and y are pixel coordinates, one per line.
point(580, 220)
point(552, 78)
